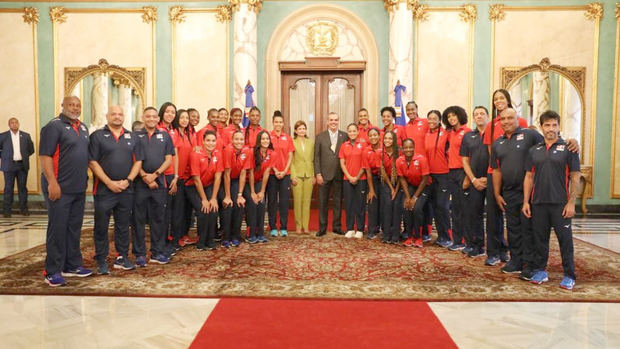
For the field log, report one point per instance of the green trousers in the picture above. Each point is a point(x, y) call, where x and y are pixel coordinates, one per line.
point(302, 195)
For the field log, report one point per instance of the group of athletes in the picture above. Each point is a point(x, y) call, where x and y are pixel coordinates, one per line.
point(166, 173)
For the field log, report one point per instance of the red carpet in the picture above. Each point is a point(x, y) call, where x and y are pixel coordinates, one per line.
point(314, 220)
point(265, 323)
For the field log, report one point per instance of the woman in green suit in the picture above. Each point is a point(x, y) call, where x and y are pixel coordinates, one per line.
point(302, 176)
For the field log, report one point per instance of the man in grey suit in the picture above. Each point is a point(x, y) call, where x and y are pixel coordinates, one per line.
point(328, 173)
point(15, 149)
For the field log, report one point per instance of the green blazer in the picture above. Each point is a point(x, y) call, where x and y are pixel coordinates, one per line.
point(303, 159)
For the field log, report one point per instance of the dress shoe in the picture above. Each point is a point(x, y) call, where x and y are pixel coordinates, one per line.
point(320, 233)
point(338, 232)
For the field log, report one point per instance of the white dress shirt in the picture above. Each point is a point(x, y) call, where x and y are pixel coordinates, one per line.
point(333, 137)
point(17, 154)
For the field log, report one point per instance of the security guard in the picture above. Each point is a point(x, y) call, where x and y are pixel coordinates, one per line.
point(150, 189)
point(507, 158)
point(63, 151)
point(546, 184)
point(115, 159)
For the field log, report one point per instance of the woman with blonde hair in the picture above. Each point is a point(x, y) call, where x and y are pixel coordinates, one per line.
point(302, 175)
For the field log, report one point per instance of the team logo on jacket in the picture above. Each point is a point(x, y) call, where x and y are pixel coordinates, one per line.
point(127, 136)
point(419, 123)
point(215, 159)
point(68, 127)
point(160, 136)
point(242, 157)
point(560, 147)
point(83, 128)
point(462, 132)
point(520, 137)
point(267, 157)
point(359, 145)
point(416, 162)
point(283, 138)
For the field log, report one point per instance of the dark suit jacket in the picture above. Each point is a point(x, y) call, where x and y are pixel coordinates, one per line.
point(326, 161)
point(6, 150)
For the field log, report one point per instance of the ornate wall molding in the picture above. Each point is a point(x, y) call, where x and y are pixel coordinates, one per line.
point(31, 15)
point(594, 11)
point(577, 75)
point(322, 38)
point(420, 11)
point(617, 10)
point(176, 14)
point(224, 13)
point(469, 13)
point(58, 15)
point(496, 12)
point(149, 14)
point(253, 5)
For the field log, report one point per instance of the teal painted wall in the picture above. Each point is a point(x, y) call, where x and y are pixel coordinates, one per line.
point(374, 14)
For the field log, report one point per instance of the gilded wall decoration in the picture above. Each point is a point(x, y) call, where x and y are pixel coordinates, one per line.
point(176, 14)
point(58, 15)
point(496, 12)
point(594, 11)
point(31, 15)
point(322, 38)
point(469, 13)
point(420, 11)
point(149, 14)
point(253, 5)
point(224, 13)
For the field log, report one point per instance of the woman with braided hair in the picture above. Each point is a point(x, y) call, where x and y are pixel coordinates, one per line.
point(391, 195)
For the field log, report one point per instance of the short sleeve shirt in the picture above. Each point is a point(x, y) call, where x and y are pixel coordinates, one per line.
point(205, 166)
point(372, 159)
point(478, 153)
point(551, 167)
point(265, 164)
point(399, 131)
point(155, 147)
point(67, 144)
point(437, 151)
point(455, 138)
point(353, 155)
point(416, 129)
point(508, 155)
point(283, 145)
point(237, 161)
point(185, 145)
point(414, 170)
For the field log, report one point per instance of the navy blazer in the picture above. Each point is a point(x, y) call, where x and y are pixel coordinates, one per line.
point(6, 150)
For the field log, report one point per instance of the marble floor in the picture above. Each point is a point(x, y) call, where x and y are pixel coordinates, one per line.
point(117, 322)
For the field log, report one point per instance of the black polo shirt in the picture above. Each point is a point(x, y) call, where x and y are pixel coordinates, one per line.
point(67, 144)
point(155, 148)
point(508, 154)
point(115, 156)
point(551, 167)
point(478, 153)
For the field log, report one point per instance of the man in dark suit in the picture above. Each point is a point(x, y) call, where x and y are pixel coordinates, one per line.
point(15, 149)
point(328, 173)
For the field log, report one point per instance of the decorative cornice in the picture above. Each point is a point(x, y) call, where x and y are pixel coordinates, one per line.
point(31, 15)
point(420, 11)
point(57, 14)
point(224, 13)
point(496, 12)
point(594, 11)
point(393, 5)
point(253, 5)
point(149, 14)
point(618, 10)
point(469, 13)
point(176, 14)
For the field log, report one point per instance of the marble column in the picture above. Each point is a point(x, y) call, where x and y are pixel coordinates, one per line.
point(99, 101)
point(401, 49)
point(245, 51)
point(541, 94)
point(124, 100)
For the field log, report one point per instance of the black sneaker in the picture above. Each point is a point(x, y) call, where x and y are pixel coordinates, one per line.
point(526, 275)
point(504, 257)
point(511, 268)
point(476, 252)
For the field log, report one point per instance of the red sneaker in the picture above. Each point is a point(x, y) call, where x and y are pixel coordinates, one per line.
point(189, 240)
point(418, 242)
point(408, 242)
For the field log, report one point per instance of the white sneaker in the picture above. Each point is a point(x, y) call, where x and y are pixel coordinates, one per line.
point(349, 234)
point(359, 234)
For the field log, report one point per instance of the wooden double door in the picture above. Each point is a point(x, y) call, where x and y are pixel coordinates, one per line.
point(310, 96)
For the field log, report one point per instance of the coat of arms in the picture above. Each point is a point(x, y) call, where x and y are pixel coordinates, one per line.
point(322, 38)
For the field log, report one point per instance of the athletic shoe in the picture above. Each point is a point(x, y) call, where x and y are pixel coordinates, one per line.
point(211, 247)
point(456, 247)
point(444, 243)
point(467, 249)
point(102, 269)
point(252, 240)
point(349, 234)
point(567, 283)
point(426, 237)
point(123, 263)
point(159, 259)
point(526, 275)
point(359, 234)
point(418, 242)
point(274, 233)
point(492, 260)
point(188, 240)
point(539, 277)
point(225, 243)
point(235, 243)
point(385, 241)
point(476, 252)
point(371, 236)
point(408, 242)
point(283, 233)
point(55, 280)
point(504, 257)
point(141, 261)
point(262, 239)
point(78, 272)
point(198, 247)
point(218, 236)
point(512, 268)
